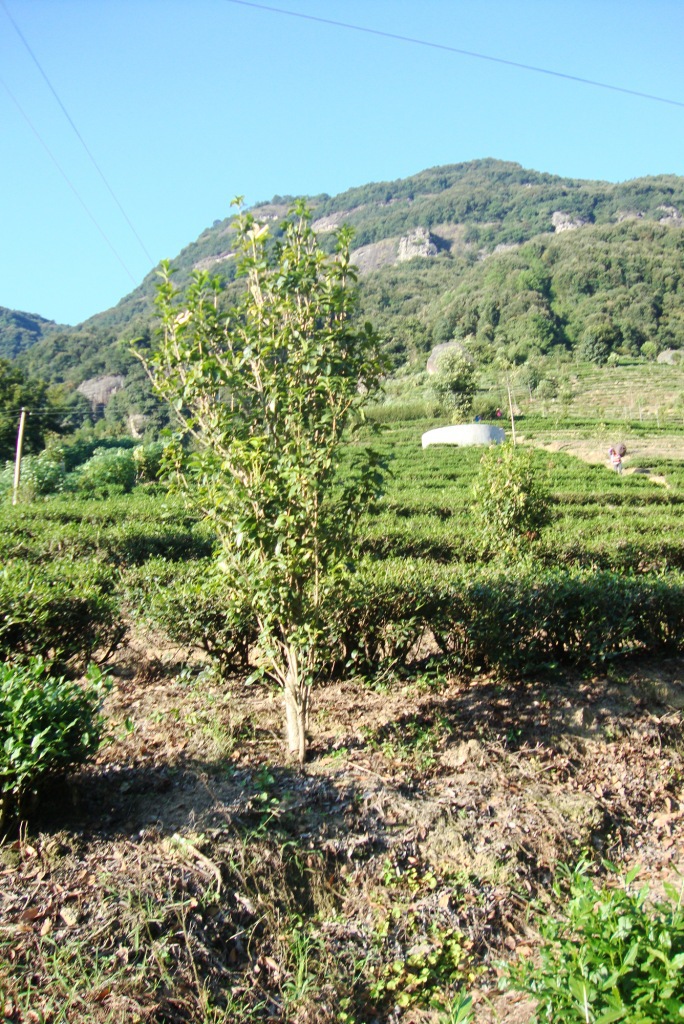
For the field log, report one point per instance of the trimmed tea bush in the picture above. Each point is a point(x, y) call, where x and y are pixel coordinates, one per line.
point(194, 605)
point(108, 471)
point(530, 618)
point(62, 610)
point(612, 956)
point(47, 724)
point(380, 614)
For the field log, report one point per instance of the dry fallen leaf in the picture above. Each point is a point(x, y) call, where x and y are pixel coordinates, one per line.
point(68, 916)
point(30, 914)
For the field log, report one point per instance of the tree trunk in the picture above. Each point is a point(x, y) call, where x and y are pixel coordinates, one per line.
point(296, 707)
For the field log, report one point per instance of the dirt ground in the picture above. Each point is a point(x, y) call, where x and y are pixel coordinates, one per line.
point(639, 450)
point(452, 799)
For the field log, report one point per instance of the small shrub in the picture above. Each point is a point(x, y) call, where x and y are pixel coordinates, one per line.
point(61, 610)
point(148, 461)
point(511, 502)
point(379, 615)
point(40, 475)
point(453, 384)
point(109, 471)
point(612, 956)
point(194, 605)
point(46, 725)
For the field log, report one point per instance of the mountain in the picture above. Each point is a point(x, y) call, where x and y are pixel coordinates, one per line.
point(19, 331)
point(486, 251)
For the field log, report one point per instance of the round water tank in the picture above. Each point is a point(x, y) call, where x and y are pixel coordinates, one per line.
point(465, 434)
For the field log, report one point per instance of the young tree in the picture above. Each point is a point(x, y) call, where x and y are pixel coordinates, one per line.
point(512, 504)
point(454, 382)
point(265, 392)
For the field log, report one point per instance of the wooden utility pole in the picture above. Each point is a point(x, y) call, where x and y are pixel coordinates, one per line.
point(510, 406)
point(17, 463)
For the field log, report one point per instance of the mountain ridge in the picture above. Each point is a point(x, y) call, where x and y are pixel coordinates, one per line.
point(424, 241)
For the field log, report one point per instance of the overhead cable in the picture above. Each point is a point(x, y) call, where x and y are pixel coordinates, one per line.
point(460, 52)
point(76, 131)
point(66, 178)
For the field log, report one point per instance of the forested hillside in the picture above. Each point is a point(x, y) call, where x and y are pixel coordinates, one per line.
point(18, 331)
point(506, 258)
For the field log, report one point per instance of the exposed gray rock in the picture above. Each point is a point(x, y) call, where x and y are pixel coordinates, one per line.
point(671, 215)
point(566, 222)
point(671, 356)
point(212, 261)
point(136, 424)
point(446, 346)
point(417, 243)
point(99, 390)
point(375, 255)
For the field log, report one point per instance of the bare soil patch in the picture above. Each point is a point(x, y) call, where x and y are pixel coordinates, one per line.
point(193, 874)
point(639, 450)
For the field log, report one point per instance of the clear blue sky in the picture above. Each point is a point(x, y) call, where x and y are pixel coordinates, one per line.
point(186, 103)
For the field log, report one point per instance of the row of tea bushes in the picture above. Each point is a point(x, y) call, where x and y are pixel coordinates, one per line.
point(392, 613)
point(191, 605)
point(515, 621)
point(61, 610)
point(121, 531)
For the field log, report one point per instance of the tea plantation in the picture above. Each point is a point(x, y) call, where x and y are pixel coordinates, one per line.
point(359, 889)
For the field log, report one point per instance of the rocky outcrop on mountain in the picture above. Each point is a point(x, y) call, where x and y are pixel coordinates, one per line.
point(565, 222)
point(417, 244)
point(386, 253)
point(378, 254)
point(333, 221)
point(99, 390)
point(671, 215)
point(446, 346)
point(671, 357)
point(212, 262)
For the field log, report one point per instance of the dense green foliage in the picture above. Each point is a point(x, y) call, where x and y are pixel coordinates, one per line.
point(192, 604)
point(61, 610)
point(47, 723)
point(19, 331)
point(511, 505)
point(453, 383)
point(615, 955)
point(51, 410)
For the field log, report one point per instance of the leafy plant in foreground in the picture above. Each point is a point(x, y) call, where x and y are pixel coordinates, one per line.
point(613, 956)
point(46, 724)
point(265, 393)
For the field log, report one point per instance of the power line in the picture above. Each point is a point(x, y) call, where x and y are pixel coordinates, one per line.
point(77, 132)
point(66, 178)
point(454, 49)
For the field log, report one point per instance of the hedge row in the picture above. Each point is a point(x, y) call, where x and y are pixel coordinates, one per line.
point(61, 611)
point(390, 612)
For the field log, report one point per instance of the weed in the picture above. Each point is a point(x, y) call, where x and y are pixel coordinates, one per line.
point(426, 971)
point(612, 956)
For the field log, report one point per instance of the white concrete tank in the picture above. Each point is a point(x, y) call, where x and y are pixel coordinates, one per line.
point(465, 434)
